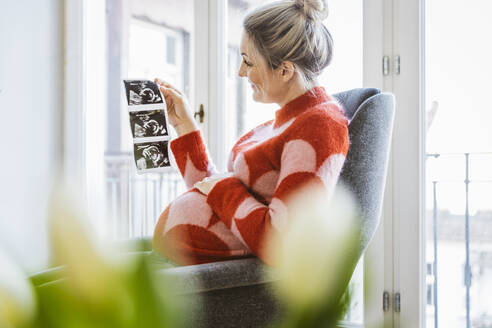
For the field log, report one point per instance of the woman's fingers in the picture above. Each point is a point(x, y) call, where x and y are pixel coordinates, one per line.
point(168, 92)
point(169, 96)
point(161, 82)
point(177, 107)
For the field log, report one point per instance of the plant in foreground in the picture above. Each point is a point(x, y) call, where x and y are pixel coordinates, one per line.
point(316, 255)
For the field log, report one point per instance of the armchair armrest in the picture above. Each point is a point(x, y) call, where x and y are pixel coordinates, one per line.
point(220, 275)
point(208, 276)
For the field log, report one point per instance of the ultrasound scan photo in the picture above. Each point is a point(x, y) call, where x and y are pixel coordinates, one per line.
point(142, 92)
point(148, 124)
point(151, 155)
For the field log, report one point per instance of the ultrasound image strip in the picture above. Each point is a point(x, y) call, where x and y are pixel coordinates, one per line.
point(148, 124)
point(151, 156)
point(143, 94)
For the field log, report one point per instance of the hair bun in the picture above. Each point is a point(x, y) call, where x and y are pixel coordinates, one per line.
point(317, 10)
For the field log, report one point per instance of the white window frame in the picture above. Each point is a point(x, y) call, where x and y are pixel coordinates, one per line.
point(403, 210)
point(74, 104)
point(84, 99)
point(210, 75)
point(400, 234)
point(378, 258)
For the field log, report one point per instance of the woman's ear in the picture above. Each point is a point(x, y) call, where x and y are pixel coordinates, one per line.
point(286, 70)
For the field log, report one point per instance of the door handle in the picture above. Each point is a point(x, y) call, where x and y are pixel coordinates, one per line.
point(200, 114)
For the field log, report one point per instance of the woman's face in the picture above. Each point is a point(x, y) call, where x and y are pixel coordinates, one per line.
point(266, 83)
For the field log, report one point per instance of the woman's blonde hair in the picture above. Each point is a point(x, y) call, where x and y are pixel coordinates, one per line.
point(292, 30)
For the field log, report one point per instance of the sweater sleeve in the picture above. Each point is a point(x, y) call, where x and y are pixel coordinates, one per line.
point(315, 155)
point(192, 157)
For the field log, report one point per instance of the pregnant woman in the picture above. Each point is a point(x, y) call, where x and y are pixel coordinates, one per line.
point(284, 47)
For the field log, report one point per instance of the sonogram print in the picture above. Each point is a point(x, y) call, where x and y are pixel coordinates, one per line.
point(148, 124)
point(142, 92)
point(150, 155)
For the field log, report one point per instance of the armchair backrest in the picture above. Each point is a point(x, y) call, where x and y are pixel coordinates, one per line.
point(370, 114)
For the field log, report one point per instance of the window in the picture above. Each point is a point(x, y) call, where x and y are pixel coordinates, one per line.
point(440, 159)
point(242, 113)
point(147, 39)
point(458, 216)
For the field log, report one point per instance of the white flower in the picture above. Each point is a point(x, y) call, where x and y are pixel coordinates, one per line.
point(315, 248)
point(17, 302)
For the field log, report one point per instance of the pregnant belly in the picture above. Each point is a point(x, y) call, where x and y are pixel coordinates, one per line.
point(188, 231)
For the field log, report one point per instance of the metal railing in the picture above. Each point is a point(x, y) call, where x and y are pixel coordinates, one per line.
point(136, 201)
point(467, 269)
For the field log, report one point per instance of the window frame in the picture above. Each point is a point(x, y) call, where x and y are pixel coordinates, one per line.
point(378, 43)
point(405, 201)
point(401, 232)
point(211, 76)
point(74, 100)
point(83, 100)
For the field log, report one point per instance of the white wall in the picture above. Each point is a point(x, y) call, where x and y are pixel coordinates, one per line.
point(31, 89)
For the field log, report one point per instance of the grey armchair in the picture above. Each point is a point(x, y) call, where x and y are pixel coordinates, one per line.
point(235, 293)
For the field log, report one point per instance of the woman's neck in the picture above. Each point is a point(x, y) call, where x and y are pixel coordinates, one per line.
point(294, 91)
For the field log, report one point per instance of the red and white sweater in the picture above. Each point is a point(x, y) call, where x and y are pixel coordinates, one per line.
point(306, 142)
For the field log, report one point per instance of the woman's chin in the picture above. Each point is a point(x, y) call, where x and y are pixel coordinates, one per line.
point(256, 96)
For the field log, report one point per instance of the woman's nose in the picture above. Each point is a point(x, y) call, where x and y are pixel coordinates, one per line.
point(241, 71)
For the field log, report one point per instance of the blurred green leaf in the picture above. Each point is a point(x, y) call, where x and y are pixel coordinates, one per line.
point(142, 301)
point(316, 253)
point(17, 299)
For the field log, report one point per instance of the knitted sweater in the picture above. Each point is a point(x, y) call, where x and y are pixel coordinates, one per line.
point(307, 142)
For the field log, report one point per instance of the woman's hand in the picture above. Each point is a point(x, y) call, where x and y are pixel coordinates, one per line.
point(178, 108)
point(209, 182)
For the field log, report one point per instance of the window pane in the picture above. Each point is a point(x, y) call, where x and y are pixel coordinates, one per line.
point(345, 72)
point(171, 50)
point(345, 25)
point(458, 74)
point(147, 39)
point(242, 112)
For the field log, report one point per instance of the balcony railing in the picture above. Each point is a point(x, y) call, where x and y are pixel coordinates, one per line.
point(136, 201)
point(452, 232)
